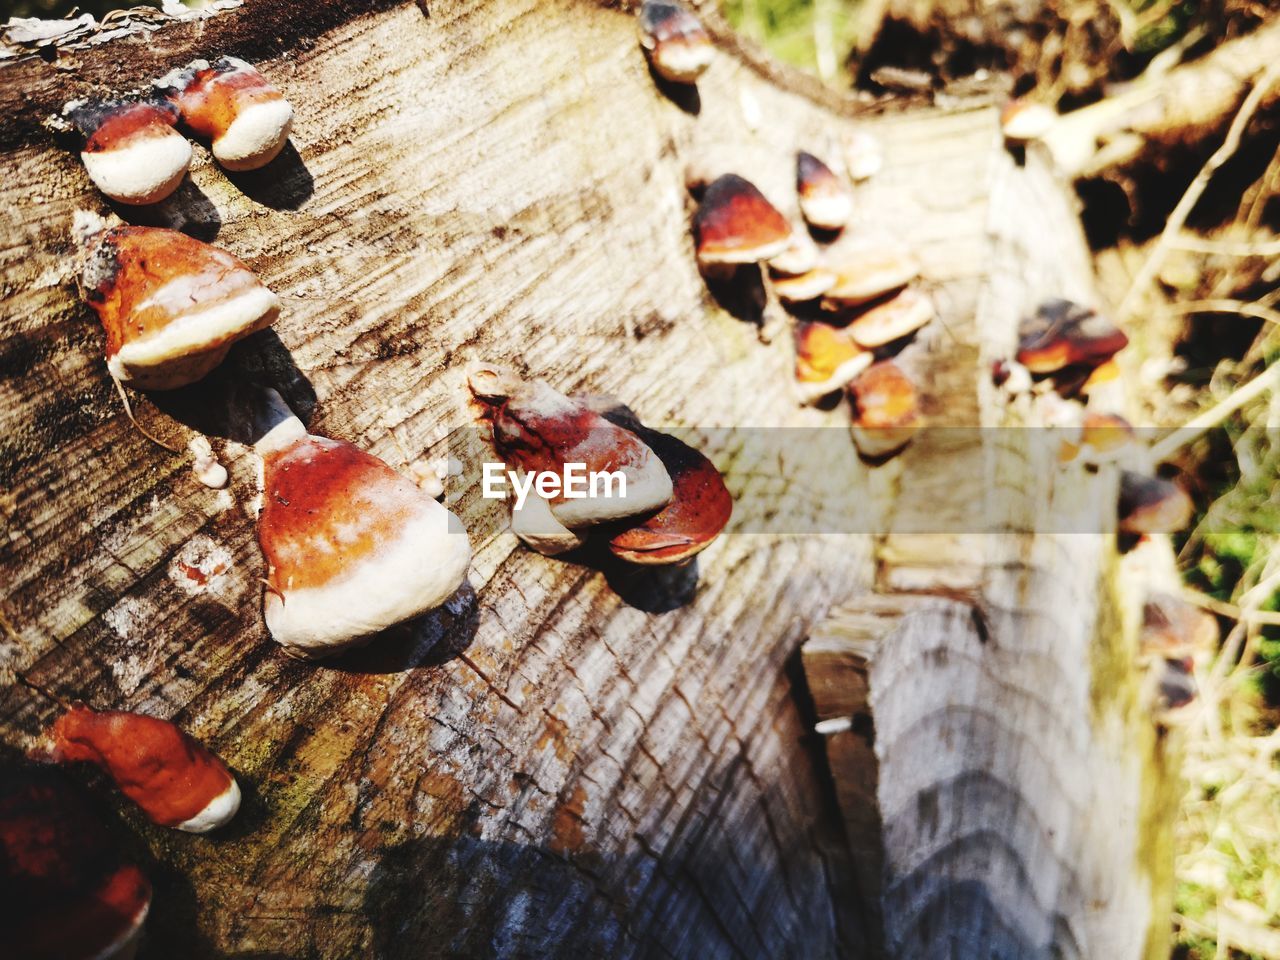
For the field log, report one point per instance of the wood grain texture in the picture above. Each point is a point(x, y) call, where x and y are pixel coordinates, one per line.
point(1019, 792)
point(573, 761)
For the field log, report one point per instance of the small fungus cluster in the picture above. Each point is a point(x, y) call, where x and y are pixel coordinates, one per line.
point(131, 147)
point(675, 502)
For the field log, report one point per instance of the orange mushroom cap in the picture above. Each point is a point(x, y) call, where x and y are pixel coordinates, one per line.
point(245, 117)
point(700, 507)
point(736, 224)
point(871, 275)
point(352, 547)
point(131, 150)
point(892, 319)
point(538, 429)
point(675, 40)
point(887, 409)
point(1063, 334)
point(170, 305)
point(827, 358)
point(174, 779)
point(825, 199)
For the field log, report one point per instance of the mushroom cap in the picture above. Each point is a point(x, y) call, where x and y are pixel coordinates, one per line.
point(352, 547)
point(171, 306)
point(678, 46)
point(174, 779)
point(872, 275)
point(806, 286)
point(1063, 334)
point(886, 409)
point(1024, 120)
point(67, 892)
point(736, 224)
point(825, 200)
point(800, 257)
point(1172, 627)
point(863, 155)
point(245, 117)
point(700, 508)
point(1152, 505)
point(827, 358)
point(537, 429)
point(131, 152)
point(892, 319)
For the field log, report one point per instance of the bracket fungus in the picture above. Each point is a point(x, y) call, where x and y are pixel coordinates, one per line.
point(131, 150)
point(68, 893)
point(1176, 629)
point(175, 780)
point(825, 199)
point(886, 410)
point(1101, 438)
point(674, 40)
point(537, 429)
point(1062, 335)
point(827, 358)
point(735, 225)
point(892, 319)
point(700, 508)
point(537, 527)
point(800, 256)
point(171, 306)
point(805, 286)
point(869, 277)
point(246, 119)
point(352, 547)
point(1152, 505)
point(863, 155)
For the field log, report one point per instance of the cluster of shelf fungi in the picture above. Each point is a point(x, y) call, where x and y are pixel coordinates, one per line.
point(353, 547)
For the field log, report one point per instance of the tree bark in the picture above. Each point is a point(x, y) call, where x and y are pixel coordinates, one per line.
point(576, 760)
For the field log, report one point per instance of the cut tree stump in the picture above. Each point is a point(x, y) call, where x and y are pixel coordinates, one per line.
point(570, 760)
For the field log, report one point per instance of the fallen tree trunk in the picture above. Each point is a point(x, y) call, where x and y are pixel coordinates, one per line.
point(577, 761)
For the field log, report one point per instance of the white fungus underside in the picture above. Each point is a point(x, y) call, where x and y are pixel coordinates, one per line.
point(538, 528)
point(255, 136)
point(216, 812)
point(813, 390)
point(827, 212)
point(417, 572)
point(881, 330)
point(765, 251)
point(682, 62)
point(125, 946)
point(648, 488)
point(145, 171)
point(190, 334)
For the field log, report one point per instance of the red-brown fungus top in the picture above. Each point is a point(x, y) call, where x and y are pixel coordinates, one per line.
point(112, 126)
point(141, 279)
point(734, 221)
point(326, 506)
point(1062, 334)
point(62, 881)
point(211, 97)
point(700, 505)
point(821, 349)
point(814, 178)
point(538, 429)
point(884, 396)
point(157, 766)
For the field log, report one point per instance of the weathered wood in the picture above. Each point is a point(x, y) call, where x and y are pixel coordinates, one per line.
point(577, 761)
point(1018, 796)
